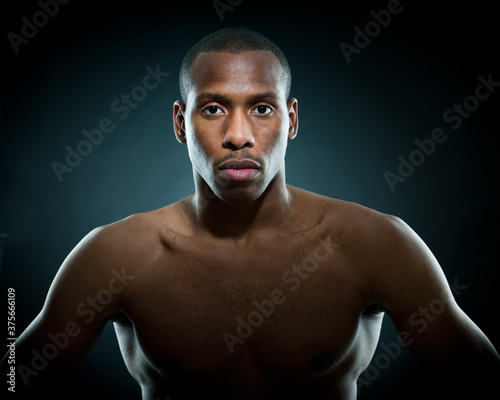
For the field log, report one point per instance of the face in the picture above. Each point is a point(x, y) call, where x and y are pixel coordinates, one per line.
point(236, 123)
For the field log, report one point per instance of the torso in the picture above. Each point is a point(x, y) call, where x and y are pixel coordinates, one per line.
point(309, 327)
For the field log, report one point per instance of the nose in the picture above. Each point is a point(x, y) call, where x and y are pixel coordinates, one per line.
point(238, 133)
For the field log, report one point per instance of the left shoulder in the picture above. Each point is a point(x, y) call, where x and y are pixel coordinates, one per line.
point(382, 247)
point(356, 222)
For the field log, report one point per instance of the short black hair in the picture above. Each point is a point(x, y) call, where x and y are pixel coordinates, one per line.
point(231, 40)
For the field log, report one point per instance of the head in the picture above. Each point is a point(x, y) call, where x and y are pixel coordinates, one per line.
point(235, 115)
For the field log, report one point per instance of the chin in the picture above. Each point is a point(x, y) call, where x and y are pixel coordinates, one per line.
point(234, 192)
point(239, 197)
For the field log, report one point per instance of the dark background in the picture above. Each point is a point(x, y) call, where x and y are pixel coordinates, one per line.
point(355, 120)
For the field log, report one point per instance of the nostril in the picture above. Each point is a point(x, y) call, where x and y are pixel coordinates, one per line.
point(238, 141)
point(238, 145)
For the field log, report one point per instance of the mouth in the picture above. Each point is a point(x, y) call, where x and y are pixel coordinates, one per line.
point(239, 170)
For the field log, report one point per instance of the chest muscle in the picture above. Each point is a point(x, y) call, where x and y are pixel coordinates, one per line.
point(277, 312)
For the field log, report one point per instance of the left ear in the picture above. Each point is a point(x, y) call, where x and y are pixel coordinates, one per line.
point(293, 118)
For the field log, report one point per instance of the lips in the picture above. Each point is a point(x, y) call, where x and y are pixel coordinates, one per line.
point(239, 170)
point(239, 164)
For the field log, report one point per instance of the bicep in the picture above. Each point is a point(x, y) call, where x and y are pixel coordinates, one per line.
point(416, 294)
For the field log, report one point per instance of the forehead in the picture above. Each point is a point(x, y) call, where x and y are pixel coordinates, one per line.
point(242, 73)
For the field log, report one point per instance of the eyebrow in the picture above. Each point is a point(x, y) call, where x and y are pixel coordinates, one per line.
point(213, 96)
point(264, 96)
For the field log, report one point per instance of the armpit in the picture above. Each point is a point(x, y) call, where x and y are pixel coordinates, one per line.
point(373, 309)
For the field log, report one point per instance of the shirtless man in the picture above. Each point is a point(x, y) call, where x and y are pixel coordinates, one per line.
point(250, 288)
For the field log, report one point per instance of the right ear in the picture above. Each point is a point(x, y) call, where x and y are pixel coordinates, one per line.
point(179, 121)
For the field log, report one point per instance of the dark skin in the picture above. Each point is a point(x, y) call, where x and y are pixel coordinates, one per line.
point(194, 267)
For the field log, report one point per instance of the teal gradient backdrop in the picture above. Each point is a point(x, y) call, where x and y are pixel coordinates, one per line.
point(355, 120)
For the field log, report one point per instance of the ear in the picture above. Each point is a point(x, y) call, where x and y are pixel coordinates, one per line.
point(293, 118)
point(179, 121)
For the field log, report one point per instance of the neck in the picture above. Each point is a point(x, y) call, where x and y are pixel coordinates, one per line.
point(220, 218)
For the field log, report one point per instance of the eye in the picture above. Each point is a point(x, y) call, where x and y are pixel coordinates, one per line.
point(263, 109)
point(212, 110)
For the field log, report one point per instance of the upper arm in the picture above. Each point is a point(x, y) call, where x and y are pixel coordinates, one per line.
point(411, 286)
point(84, 293)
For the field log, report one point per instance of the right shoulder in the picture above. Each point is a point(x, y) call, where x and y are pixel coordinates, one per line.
point(106, 257)
point(138, 239)
point(137, 236)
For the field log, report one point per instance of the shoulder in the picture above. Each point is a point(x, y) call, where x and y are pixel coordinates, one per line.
point(360, 224)
point(121, 237)
point(379, 241)
point(396, 268)
point(109, 258)
point(354, 222)
point(133, 241)
point(382, 245)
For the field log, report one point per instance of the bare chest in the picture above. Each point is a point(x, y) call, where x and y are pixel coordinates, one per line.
point(277, 310)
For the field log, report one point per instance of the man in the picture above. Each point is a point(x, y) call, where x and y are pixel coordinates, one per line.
point(250, 288)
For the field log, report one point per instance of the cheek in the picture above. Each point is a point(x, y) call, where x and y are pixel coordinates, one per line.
point(278, 138)
point(195, 140)
point(202, 147)
point(197, 150)
point(276, 150)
